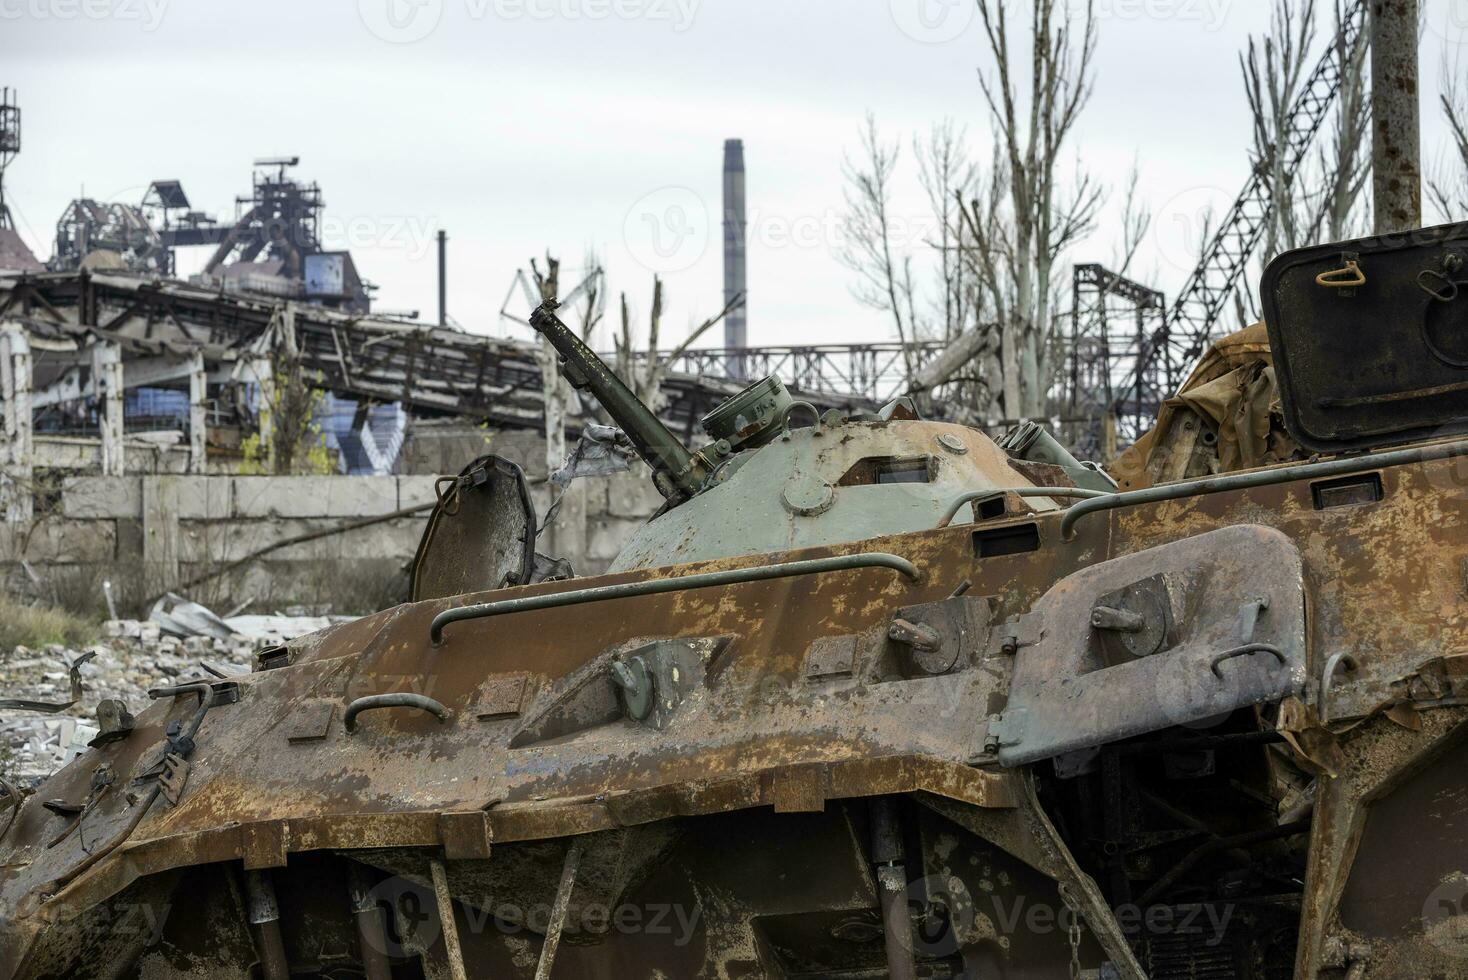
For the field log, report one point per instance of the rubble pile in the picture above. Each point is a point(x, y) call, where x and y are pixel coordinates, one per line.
point(133, 657)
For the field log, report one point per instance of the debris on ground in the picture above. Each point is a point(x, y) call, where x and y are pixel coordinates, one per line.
point(178, 616)
point(135, 656)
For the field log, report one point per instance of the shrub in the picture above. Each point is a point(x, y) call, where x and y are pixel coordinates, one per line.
point(37, 625)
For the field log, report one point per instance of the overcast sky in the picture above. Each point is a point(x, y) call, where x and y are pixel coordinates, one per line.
point(522, 125)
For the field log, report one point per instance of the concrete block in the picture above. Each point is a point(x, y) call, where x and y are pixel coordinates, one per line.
point(90, 497)
point(61, 541)
point(606, 538)
point(216, 542)
point(587, 567)
point(566, 535)
point(129, 540)
point(542, 495)
point(632, 495)
point(160, 525)
point(415, 490)
point(443, 449)
point(523, 447)
point(203, 497)
point(206, 542)
point(314, 496)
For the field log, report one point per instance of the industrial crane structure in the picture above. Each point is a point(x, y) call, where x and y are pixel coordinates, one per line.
point(1160, 359)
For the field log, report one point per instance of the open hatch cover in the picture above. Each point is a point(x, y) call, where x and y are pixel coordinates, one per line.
point(480, 537)
point(1370, 338)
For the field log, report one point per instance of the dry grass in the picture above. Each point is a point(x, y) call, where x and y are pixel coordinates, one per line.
point(36, 626)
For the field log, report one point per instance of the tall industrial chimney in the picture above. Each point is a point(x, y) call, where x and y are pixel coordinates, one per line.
point(443, 278)
point(736, 336)
point(1396, 125)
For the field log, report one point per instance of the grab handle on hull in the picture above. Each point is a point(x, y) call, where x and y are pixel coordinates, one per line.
point(374, 701)
point(658, 586)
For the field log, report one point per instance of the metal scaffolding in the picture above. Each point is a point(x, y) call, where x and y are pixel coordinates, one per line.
point(9, 147)
point(873, 373)
point(1191, 324)
point(159, 325)
point(1105, 347)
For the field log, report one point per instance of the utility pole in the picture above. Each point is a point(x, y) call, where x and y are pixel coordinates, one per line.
point(1396, 125)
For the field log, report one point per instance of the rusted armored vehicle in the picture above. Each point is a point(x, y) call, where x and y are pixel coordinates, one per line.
point(870, 696)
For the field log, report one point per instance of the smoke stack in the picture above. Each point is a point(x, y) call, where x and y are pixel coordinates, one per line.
point(1396, 126)
point(443, 278)
point(736, 335)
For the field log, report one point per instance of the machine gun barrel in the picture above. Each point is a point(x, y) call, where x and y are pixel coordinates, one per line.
point(677, 473)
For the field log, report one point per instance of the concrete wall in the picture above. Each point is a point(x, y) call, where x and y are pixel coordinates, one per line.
point(149, 533)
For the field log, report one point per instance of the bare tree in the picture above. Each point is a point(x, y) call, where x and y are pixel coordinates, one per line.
point(589, 298)
point(946, 172)
point(1346, 161)
point(1322, 198)
point(556, 395)
point(1448, 187)
point(644, 374)
point(884, 274)
point(1274, 68)
point(910, 265)
point(1027, 216)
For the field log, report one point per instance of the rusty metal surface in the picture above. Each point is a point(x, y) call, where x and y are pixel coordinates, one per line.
point(481, 535)
point(778, 732)
point(1068, 693)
